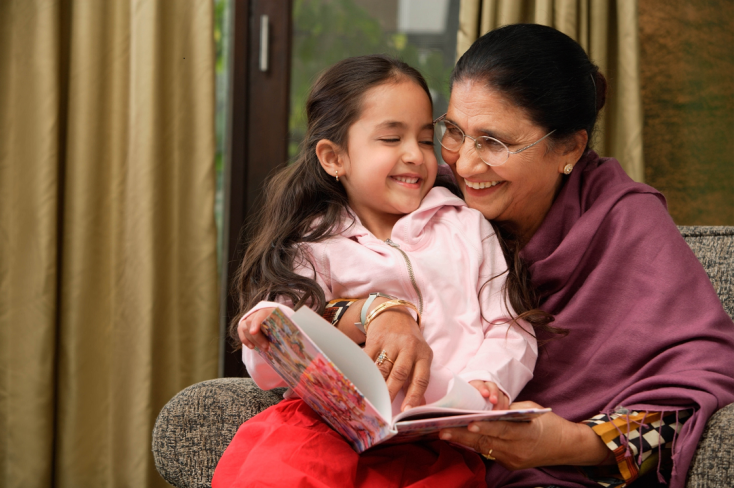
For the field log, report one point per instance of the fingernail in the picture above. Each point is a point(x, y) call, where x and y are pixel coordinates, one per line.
point(473, 428)
point(445, 436)
point(407, 407)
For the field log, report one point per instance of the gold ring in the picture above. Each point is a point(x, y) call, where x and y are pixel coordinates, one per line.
point(489, 455)
point(382, 358)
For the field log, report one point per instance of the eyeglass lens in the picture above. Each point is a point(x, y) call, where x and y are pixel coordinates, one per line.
point(489, 149)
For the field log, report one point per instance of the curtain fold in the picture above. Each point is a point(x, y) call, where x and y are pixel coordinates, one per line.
point(108, 280)
point(29, 191)
point(608, 31)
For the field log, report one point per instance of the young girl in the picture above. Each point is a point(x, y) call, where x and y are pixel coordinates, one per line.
point(358, 213)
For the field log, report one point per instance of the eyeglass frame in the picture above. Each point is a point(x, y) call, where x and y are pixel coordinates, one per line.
point(442, 118)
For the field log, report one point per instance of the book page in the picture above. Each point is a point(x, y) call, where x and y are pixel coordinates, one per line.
point(460, 398)
point(421, 429)
point(319, 381)
point(349, 358)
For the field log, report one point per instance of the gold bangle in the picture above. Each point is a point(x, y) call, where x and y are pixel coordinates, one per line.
point(389, 304)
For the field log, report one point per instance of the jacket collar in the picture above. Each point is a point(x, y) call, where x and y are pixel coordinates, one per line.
point(409, 229)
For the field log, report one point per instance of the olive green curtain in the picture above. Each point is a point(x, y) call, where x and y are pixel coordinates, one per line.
point(108, 281)
point(608, 31)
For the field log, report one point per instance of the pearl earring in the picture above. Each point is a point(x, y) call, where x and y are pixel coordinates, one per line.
point(336, 173)
point(568, 168)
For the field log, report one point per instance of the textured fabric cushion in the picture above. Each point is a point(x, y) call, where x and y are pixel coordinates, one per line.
point(195, 427)
point(713, 463)
point(714, 247)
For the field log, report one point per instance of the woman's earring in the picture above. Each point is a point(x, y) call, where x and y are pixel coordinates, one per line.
point(336, 173)
point(566, 169)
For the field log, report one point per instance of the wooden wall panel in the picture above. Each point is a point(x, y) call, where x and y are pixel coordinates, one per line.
point(687, 69)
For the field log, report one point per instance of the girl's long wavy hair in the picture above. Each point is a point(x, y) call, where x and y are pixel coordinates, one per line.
point(302, 203)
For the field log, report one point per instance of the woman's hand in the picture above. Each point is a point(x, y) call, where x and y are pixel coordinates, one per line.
point(397, 333)
point(491, 391)
point(546, 440)
point(249, 332)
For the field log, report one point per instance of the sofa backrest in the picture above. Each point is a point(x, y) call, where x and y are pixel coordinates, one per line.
point(714, 247)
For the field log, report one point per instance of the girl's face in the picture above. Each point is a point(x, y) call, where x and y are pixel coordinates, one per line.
point(389, 164)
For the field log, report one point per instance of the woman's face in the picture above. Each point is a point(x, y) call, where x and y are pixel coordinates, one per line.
point(522, 190)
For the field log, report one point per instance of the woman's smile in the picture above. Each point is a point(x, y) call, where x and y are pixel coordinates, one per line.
point(481, 185)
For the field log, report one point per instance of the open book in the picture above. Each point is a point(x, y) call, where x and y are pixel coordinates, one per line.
point(342, 384)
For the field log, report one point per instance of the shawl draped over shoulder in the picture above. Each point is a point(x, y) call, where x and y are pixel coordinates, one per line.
point(646, 328)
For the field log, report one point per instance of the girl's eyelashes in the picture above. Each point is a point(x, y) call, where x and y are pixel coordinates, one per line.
point(427, 139)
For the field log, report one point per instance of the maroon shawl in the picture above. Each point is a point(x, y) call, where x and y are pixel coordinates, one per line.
point(646, 328)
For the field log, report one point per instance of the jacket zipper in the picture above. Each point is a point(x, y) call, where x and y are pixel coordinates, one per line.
point(389, 242)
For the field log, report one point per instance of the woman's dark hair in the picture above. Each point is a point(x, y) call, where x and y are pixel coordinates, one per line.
point(301, 202)
point(542, 71)
point(549, 76)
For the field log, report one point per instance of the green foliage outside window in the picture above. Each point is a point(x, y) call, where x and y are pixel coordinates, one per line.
point(326, 31)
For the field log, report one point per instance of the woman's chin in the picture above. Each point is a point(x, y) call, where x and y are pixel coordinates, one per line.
point(484, 199)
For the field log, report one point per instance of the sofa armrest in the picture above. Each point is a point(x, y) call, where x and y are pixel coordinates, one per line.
point(196, 426)
point(713, 463)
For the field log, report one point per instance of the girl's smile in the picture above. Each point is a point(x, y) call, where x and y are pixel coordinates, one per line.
point(409, 181)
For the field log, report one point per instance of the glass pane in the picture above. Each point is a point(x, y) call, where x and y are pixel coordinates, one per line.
point(420, 32)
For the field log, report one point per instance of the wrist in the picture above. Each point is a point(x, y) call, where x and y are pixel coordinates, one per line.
point(345, 321)
point(351, 316)
point(394, 303)
point(370, 303)
point(586, 448)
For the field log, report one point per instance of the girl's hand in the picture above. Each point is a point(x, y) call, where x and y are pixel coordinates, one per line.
point(249, 329)
point(397, 333)
point(546, 440)
point(491, 391)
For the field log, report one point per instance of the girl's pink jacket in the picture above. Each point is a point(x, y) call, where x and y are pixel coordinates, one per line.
point(454, 254)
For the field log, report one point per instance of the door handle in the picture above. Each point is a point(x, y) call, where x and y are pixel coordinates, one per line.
point(264, 40)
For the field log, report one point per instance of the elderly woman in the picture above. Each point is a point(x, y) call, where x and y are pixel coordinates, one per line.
point(642, 352)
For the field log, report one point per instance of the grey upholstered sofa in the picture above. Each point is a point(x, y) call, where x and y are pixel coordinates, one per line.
point(194, 428)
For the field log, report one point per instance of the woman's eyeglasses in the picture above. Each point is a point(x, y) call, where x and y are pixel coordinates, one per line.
point(492, 151)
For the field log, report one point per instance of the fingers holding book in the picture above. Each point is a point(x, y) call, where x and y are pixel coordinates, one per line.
point(492, 393)
point(395, 331)
point(248, 329)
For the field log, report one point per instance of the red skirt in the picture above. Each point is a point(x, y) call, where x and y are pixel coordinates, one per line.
point(288, 445)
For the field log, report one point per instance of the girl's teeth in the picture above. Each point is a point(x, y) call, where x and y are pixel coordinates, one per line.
point(480, 185)
point(406, 180)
